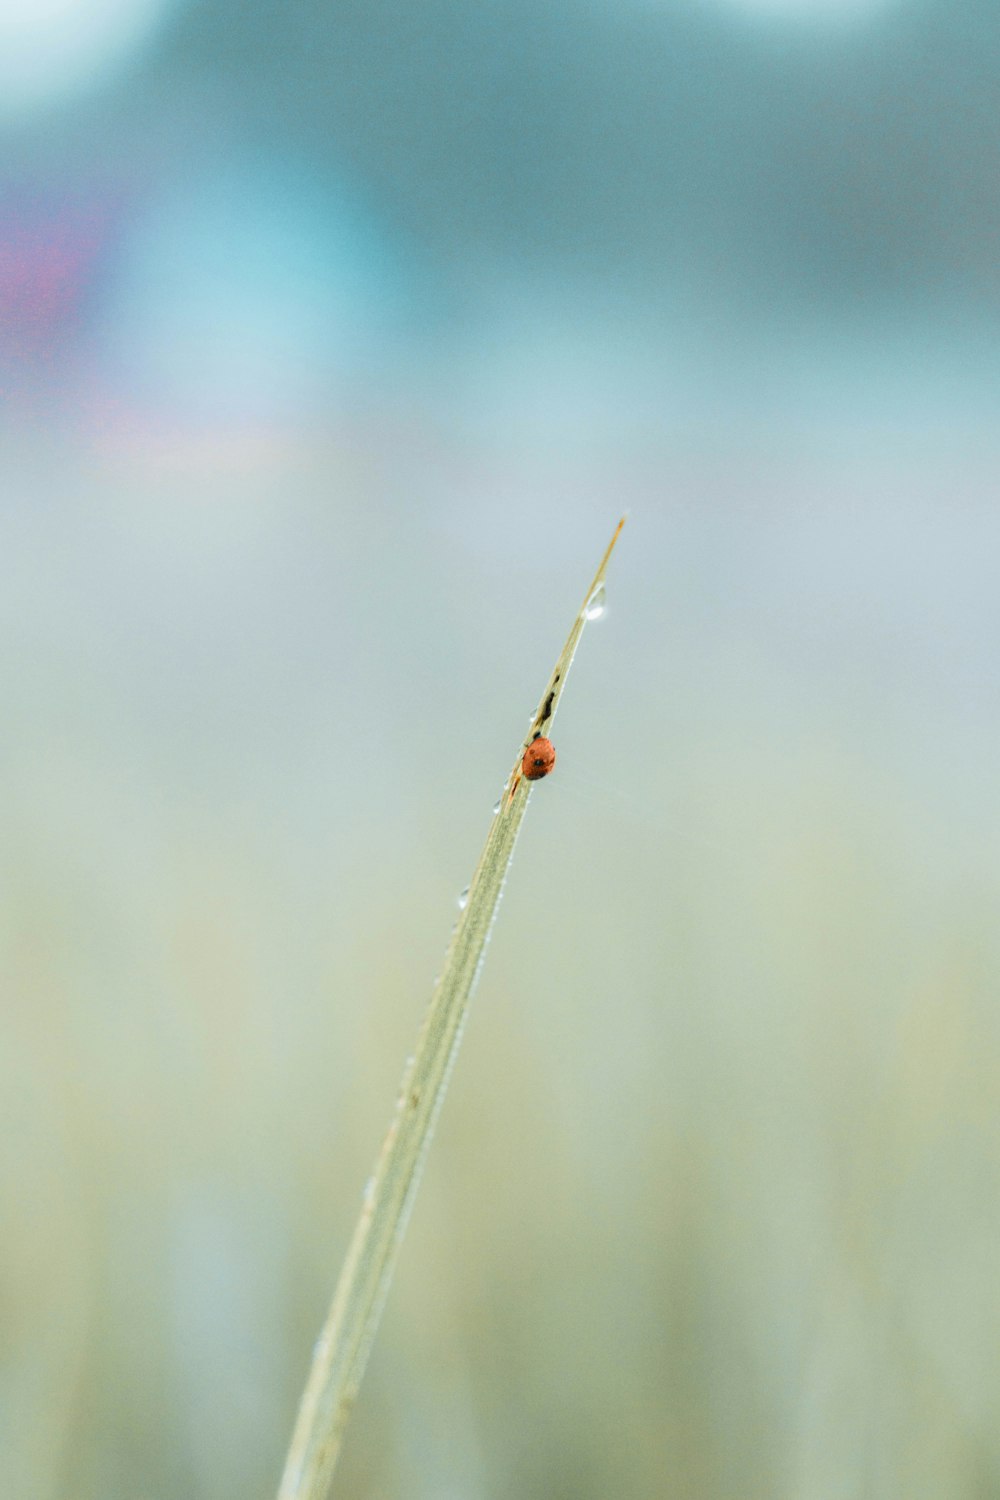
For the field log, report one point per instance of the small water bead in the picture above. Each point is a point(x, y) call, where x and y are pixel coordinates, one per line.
point(463, 899)
point(596, 604)
point(498, 804)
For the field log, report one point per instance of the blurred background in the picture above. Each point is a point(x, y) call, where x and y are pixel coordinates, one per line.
point(334, 338)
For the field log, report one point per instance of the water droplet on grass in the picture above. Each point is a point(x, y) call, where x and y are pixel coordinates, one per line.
point(596, 604)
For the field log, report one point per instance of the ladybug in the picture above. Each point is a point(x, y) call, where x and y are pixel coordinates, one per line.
point(539, 758)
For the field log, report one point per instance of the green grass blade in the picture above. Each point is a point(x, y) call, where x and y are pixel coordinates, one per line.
point(340, 1354)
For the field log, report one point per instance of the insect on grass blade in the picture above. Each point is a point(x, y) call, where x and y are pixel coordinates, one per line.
point(342, 1349)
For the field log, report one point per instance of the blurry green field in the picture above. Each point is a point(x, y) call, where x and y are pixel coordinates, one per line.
point(729, 1226)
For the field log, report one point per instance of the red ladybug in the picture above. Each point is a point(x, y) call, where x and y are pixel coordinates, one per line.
point(539, 758)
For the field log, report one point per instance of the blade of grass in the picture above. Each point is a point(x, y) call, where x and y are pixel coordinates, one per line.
point(342, 1349)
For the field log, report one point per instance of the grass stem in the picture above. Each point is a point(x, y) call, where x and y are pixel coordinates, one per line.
point(343, 1346)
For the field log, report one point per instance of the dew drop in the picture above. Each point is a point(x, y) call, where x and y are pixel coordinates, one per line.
point(463, 899)
point(595, 606)
point(497, 805)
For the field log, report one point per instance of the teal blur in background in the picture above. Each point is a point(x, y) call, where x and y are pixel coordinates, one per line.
point(333, 341)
